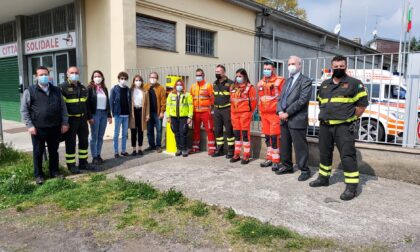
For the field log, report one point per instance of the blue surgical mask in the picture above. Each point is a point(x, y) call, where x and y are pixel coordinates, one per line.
point(74, 77)
point(267, 73)
point(43, 80)
point(239, 80)
point(179, 88)
point(199, 78)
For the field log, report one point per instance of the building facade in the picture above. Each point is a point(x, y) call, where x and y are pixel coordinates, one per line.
point(117, 35)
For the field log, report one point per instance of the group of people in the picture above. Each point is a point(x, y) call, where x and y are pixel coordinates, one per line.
point(224, 108)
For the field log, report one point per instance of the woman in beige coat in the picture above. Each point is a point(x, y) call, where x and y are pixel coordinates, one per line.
point(139, 114)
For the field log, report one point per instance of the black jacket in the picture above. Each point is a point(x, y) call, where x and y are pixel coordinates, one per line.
point(297, 102)
point(92, 101)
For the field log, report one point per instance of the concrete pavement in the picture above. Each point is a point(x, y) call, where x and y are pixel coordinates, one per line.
point(386, 211)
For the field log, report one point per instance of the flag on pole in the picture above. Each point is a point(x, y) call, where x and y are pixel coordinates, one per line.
point(409, 19)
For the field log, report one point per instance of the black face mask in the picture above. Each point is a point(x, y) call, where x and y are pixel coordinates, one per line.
point(218, 76)
point(338, 73)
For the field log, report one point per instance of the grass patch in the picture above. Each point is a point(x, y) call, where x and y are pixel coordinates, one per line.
point(199, 209)
point(170, 197)
point(255, 231)
point(229, 214)
point(129, 206)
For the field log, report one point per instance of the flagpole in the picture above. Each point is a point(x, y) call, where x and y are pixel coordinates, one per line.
point(401, 36)
point(339, 22)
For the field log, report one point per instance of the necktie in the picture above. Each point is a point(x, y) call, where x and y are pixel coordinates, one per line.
point(286, 93)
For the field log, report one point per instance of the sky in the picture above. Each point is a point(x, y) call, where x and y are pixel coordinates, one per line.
point(355, 14)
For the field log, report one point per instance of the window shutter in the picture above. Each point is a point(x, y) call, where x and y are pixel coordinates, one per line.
point(155, 33)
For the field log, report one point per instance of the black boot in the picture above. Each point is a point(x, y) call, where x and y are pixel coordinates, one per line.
point(231, 149)
point(178, 153)
point(73, 168)
point(350, 192)
point(320, 181)
point(266, 163)
point(219, 151)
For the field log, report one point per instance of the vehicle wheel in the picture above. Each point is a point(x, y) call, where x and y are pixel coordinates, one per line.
point(371, 130)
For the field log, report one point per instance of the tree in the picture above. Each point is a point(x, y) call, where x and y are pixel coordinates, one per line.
point(288, 6)
point(415, 45)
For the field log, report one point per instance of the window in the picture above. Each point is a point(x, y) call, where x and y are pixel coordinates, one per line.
point(7, 33)
point(58, 20)
point(394, 92)
point(155, 33)
point(200, 42)
point(373, 91)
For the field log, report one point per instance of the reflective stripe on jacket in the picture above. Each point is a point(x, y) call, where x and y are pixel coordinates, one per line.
point(185, 106)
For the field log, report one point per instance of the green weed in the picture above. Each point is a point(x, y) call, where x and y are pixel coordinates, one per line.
point(255, 231)
point(199, 209)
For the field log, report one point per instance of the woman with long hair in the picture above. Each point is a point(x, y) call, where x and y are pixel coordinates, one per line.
point(98, 107)
point(243, 100)
point(139, 114)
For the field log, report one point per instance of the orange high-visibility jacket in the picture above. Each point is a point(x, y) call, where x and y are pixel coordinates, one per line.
point(243, 98)
point(203, 98)
point(269, 90)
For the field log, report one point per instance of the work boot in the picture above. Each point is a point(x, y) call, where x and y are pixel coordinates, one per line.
point(178, 153)
point(230, 153)
point(320, 181)
point(245, 161)
point(185, 153)
point(235, 159)
point(73, 169)
point(218, 153)
point(266, 163)
point(350, 192)
point(86, 166)
point(39, 180)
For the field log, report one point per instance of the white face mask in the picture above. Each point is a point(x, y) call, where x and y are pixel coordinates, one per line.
point(97, 80)
point(123, 82)
point(138, 83)
point(292, 69)
point(153, 80)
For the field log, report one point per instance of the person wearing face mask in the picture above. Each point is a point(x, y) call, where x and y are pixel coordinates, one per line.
point(243, 98)
point(44, 113)
point(179, 112)
point(342, 100)
point(99, 109)
point(120, 105)
point(221, 116)
point(157, 100)
point(75, 95)
point(292, 108)
point(203, 101)
point(269, 89)
point(139, 114)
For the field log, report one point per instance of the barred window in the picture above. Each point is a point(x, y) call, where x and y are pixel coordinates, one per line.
point(45, 23)
point(57, 20)
point(199, 41)
point(8, 33)
point(155, 33)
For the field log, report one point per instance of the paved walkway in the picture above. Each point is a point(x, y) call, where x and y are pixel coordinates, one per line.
point(385, 211)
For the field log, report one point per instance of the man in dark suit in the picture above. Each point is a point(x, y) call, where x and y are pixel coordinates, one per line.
point(292, 108)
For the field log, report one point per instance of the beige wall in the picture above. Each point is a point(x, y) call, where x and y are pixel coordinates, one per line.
point(234, 40)
point(110, 37)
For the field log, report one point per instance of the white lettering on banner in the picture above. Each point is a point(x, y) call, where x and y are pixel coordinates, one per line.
point(52, 43)
point(8, 50)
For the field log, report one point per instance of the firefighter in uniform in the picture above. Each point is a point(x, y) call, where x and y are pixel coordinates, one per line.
point(75, 96)
point(221, 116)
point(269, 89)
point(203, 101)
point(342, 100)
point(244, 100)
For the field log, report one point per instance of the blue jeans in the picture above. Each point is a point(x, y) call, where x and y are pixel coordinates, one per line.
point(120, 122)
point(97, 131)
point(154, 121)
